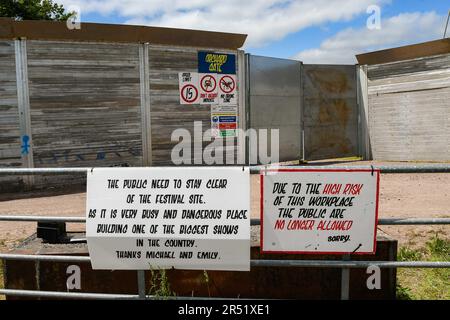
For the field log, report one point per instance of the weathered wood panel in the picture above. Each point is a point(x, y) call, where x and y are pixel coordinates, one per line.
point(10, 143)
point(167, 114)
point(330, 111)
point(409, 109)
point(85, 104)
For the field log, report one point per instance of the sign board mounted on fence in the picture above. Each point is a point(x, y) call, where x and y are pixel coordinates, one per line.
point(185, 218)
point(214, 62)
point(223, 121)
point(319, 211)
point(188, 86)
point(227, 89)
point(208, 88)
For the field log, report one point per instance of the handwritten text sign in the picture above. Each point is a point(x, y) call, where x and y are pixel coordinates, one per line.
point(186, 218)
point(319, 211)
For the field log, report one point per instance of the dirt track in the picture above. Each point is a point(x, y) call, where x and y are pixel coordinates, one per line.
point(401, 195)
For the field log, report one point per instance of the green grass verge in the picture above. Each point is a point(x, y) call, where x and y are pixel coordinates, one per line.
point(424, 284)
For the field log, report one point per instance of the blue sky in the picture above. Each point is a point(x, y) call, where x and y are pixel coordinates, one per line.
point(313, 31)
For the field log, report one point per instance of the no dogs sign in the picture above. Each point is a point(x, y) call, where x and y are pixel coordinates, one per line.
point(319, 211)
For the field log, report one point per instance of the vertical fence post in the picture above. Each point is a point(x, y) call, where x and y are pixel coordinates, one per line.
point(23, 101)
point(141, 284)
point(242, 122)
point(345, 280)
point(247, 105)
point(146, 126)
point(302, 113)
point(363, 112)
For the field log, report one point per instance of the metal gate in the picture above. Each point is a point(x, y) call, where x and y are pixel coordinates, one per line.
point(330, 111)
point(274, 102)
point(314, 107)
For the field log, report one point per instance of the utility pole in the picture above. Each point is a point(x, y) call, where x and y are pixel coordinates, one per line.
point(446, 24)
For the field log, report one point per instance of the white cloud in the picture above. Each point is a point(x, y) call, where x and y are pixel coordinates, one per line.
point(263, 20)
point(405, 28)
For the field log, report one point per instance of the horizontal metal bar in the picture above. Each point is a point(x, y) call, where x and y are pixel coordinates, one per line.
point(413, 221)
point(263, 263)
point(97, 296)
point(424, 168)
point(43, 219)
point(253, 222)
point(68, 295)
point(26, 171)
point(393, 221)
point(349, 264)
point(30, 257)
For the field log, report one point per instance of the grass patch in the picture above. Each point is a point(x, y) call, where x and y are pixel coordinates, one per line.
point(159, 285)
point(424, 284)
point(407, 254)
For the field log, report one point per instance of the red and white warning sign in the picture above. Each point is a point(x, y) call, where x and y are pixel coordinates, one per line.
point(188, 84)
point(227, 89)
point(208, 88)
point(327, 211)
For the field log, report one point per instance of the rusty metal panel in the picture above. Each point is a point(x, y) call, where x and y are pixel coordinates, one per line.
point(10, 141)
point(275, 102)
point(330, 111)
point(409, 118)
point(85, 104)
point(167, 114)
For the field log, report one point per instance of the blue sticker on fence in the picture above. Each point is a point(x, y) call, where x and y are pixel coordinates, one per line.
point(212, 62)
point(25, 144)
point(227, 119)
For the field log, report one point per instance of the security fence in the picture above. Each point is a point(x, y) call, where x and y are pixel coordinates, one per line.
point(345, 264)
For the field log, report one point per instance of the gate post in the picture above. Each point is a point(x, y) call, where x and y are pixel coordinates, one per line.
point(363, 111)
point(141, 284)
point(242, 109)
point(345, 280)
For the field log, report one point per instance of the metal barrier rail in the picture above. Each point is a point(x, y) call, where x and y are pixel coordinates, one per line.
point(345, 264)
point(260, 263)
point(426, 168)
point(68, 295)
point(100, 296)
point(253, 222)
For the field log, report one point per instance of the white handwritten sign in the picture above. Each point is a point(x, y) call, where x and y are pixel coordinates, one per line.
point(319, 211)
point(185, 218)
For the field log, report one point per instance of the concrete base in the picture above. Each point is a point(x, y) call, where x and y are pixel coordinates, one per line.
point(260, 282)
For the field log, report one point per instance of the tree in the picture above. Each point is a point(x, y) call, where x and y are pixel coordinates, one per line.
point(33, 10)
